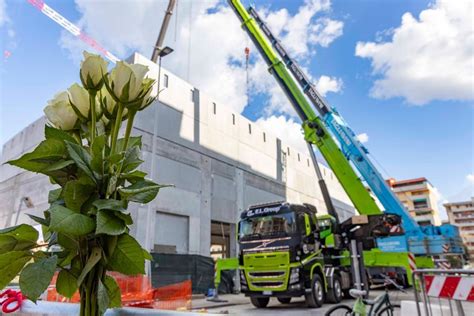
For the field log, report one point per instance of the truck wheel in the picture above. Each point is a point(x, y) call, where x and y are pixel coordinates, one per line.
point(284, 300)
point(260, 302)
point(315, 297)
point(334, 294)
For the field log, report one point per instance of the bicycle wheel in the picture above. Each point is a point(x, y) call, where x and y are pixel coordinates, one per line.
point(393, 310)
point(339, 310)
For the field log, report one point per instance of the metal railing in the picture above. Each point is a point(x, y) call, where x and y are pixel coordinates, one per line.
point(436, 286)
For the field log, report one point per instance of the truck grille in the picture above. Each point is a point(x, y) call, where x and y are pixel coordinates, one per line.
point(267, 274)
point(268, 284)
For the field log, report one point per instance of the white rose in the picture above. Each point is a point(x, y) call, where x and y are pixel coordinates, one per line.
point(60, 113)
point(79, 98)
point(109, 105)
point(93, 68)
point(126, 81)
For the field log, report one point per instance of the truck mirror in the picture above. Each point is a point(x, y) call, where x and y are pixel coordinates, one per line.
point(307, 224)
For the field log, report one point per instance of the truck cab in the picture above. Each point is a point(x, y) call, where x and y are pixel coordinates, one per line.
point(281, 255)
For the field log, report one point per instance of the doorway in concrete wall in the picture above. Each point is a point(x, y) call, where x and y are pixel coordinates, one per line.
point(220, 240)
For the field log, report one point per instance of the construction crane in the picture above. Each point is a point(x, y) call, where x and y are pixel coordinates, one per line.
point(427, 240)
point(158, 50)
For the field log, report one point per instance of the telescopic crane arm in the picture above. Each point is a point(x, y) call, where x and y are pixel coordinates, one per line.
point(315, 131)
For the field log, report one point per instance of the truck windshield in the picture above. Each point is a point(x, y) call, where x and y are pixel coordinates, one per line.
point(267, 226)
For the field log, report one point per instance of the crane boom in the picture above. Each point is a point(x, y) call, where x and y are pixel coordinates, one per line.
point(351, 146)
point(164, 28)
point(316, 131)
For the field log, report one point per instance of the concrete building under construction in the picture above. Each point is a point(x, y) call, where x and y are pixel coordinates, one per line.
point(218, 161)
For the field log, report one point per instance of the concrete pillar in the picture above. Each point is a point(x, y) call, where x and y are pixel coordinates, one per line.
point(205, 207)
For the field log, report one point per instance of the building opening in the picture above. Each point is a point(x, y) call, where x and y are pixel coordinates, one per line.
point(220, 240)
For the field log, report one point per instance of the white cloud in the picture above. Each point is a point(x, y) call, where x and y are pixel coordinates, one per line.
point(363, 138)
point(287, 130)
point(428, 58)
point(470, 178)
point(3, 13)
point(208, 43)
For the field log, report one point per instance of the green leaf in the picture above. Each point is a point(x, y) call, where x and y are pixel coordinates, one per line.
point(109, 224)
point(109, 204)
point(19, 237)
point(63, 220)
point(131, 159)
point(67, 242)
point(98, 152)
point(75, 194)
point(48, 151)
point(132, 142)
point(58, 165)
point(128, 257)
point(94, 257)
point(11, 264)
point(113, 290)
point(134, 176)
point(54, 195)
point(102, 298)
point(39, 220)
point(147, 255)
point(126, 217)
point(66, 284)
point(51, 132)
point(82, 159)
point(142, 191)
point(35, 277)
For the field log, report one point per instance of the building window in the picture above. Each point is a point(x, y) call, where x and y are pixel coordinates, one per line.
point(214, 107)
point(307, 160)
point(233, 119)
point(420, 204)
point(288, 150)
point(299, 157)
point(192, 95)
point(165, 81)
point(250, 128)
point(264, 137)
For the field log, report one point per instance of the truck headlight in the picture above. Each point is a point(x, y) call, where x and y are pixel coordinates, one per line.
point(294, 275)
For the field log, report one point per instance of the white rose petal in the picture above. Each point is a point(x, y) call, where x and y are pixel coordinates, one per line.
point(92, 69)
point(80, 99)
point(60, 113)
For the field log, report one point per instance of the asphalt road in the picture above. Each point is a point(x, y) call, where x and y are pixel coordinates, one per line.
point(240, 305)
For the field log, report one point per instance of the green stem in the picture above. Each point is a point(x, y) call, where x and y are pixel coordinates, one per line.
point(131, 117)
point(93, 131)
point(117, 123)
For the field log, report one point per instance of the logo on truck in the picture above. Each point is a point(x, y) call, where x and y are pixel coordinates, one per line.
point(265, 210)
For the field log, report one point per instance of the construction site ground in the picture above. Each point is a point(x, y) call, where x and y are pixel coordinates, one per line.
point(238, 304)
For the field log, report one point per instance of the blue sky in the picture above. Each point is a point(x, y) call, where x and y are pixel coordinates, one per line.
point(416, 126)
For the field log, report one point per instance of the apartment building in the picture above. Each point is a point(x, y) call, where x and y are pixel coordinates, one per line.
point(461, 214)
point(419, 197)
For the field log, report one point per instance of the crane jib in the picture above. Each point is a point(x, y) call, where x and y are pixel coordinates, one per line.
point(308, 87)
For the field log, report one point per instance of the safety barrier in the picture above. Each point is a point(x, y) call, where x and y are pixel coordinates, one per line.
point(138, 292)
point(438, 286)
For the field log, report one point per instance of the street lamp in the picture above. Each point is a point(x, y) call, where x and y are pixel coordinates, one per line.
point(148, 229)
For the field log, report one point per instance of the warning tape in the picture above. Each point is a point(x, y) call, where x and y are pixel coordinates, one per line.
point(451, 287)
point(411, 261)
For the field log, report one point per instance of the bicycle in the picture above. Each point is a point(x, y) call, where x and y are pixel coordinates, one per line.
point(380, 306)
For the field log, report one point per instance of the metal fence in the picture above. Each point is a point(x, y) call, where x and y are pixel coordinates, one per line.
point(444, 292)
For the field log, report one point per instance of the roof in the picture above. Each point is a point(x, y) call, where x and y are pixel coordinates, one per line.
point(394, 183)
